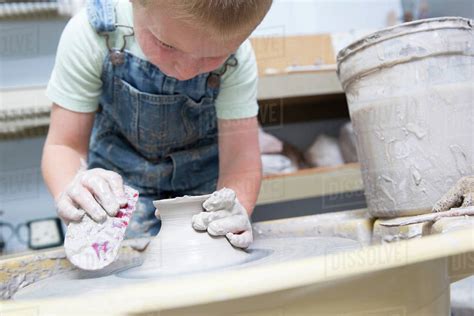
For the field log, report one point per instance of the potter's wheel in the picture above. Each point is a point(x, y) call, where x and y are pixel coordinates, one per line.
point(262, 252)
point(178, 251)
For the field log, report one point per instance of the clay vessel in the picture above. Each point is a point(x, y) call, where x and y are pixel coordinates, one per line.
point(178, 248)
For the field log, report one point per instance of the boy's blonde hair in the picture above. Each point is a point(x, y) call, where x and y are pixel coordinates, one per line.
point(225, 18)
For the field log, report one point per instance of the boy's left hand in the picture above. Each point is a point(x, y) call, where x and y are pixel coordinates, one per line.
point(224, 216)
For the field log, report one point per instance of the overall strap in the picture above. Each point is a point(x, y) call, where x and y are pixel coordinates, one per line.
point(214, 79)
point(101, 14)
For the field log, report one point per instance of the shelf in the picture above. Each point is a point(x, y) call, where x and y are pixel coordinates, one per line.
point(22, 100)
point(28, 9)
point(299, 84)
point(296, 66)
point(310, 183)
point(23, 112)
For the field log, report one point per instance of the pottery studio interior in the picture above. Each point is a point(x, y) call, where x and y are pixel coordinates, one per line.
point(339, 180)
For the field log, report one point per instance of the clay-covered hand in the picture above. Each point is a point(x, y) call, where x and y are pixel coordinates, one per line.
point(461, 195)
point(225, 216)
point(96, 192)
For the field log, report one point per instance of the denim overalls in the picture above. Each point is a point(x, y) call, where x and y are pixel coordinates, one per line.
point(159, 133)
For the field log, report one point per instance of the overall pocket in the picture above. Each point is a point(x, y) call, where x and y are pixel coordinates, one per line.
point(202, 117)
point(161, 124)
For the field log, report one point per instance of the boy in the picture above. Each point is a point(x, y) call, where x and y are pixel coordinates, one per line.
point(140, 89)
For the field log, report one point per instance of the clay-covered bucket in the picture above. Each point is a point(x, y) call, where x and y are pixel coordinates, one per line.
point(410, 90)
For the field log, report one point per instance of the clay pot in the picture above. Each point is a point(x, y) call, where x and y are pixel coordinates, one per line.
point(178, 248)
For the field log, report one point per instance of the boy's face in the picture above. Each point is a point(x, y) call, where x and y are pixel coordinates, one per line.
point(178, 49)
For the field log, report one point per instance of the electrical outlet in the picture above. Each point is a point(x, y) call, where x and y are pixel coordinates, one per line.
point(45, 233)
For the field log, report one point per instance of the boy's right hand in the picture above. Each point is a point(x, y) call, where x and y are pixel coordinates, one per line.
point(96, 192)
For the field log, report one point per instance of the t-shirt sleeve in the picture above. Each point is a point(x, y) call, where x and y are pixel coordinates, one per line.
point(75, 82)
point(237, 98)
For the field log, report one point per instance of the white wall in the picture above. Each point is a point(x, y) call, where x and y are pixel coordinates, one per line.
point(328, 16)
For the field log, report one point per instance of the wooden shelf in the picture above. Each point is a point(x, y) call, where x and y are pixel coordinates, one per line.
point(296, 66)
point(310, 183)
point(299, 84)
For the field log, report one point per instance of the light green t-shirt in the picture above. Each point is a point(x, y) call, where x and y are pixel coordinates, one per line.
point(76, 83)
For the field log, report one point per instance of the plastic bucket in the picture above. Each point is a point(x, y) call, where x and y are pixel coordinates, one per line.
point(410, 90)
